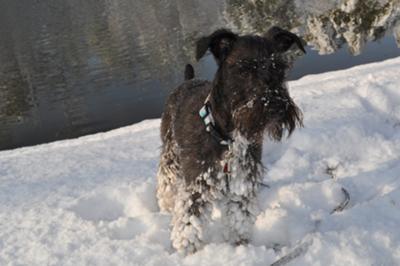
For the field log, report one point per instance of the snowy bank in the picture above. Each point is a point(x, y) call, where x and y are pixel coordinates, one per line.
point(91, 200)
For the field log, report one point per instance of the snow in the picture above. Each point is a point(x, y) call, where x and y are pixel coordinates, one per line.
point(91, 200)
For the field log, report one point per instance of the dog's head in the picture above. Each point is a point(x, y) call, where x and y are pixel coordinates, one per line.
point(250, 81)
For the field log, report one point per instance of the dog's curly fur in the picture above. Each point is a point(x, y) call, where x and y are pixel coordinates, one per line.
point(211, 189)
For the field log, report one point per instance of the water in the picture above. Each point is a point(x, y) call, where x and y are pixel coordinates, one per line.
point(70, 68)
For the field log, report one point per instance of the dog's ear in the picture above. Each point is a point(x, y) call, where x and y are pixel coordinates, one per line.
point(283, 39)
point(220, 44)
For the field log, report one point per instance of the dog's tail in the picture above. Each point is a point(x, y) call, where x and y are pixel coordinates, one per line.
point(189, 72)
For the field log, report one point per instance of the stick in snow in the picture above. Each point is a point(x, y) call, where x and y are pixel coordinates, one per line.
point(344, 203)
point(297, 252)
point(264, 185)
point(302, 248)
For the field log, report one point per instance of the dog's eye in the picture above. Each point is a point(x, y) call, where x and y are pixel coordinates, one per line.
point(246, 65)
point(251, 65)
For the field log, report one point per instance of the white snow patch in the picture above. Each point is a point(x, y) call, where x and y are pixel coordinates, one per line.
point(91, 200)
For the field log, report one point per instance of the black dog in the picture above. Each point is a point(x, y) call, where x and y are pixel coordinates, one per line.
point(212, 135)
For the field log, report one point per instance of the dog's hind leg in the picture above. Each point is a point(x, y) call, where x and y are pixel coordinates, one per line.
point(166, 178)
point(169, 165)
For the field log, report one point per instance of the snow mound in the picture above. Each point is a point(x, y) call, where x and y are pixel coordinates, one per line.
point(91, 200)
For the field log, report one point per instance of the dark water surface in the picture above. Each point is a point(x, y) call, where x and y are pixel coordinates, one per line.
point(70, 68)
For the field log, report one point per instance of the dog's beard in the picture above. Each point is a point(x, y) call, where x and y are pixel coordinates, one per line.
point(283, 116)
point(274, 116)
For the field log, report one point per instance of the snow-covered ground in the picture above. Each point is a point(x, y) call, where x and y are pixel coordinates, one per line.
point(91, 201)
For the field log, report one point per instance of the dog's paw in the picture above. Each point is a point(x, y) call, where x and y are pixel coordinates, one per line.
point(186, 235)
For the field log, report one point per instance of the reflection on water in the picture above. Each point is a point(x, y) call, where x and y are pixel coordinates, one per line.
point(69, 68)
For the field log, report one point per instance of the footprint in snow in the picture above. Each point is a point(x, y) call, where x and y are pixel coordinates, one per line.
point(98, 207)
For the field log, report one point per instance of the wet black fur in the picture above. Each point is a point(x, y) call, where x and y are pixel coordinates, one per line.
point(249, 68)
point(189, 72)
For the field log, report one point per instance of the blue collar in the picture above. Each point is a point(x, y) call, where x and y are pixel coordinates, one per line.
point(208, 120)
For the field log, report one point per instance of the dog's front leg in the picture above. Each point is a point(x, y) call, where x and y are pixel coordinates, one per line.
point(241, 208)
point(190, 217)
point(241, 213)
